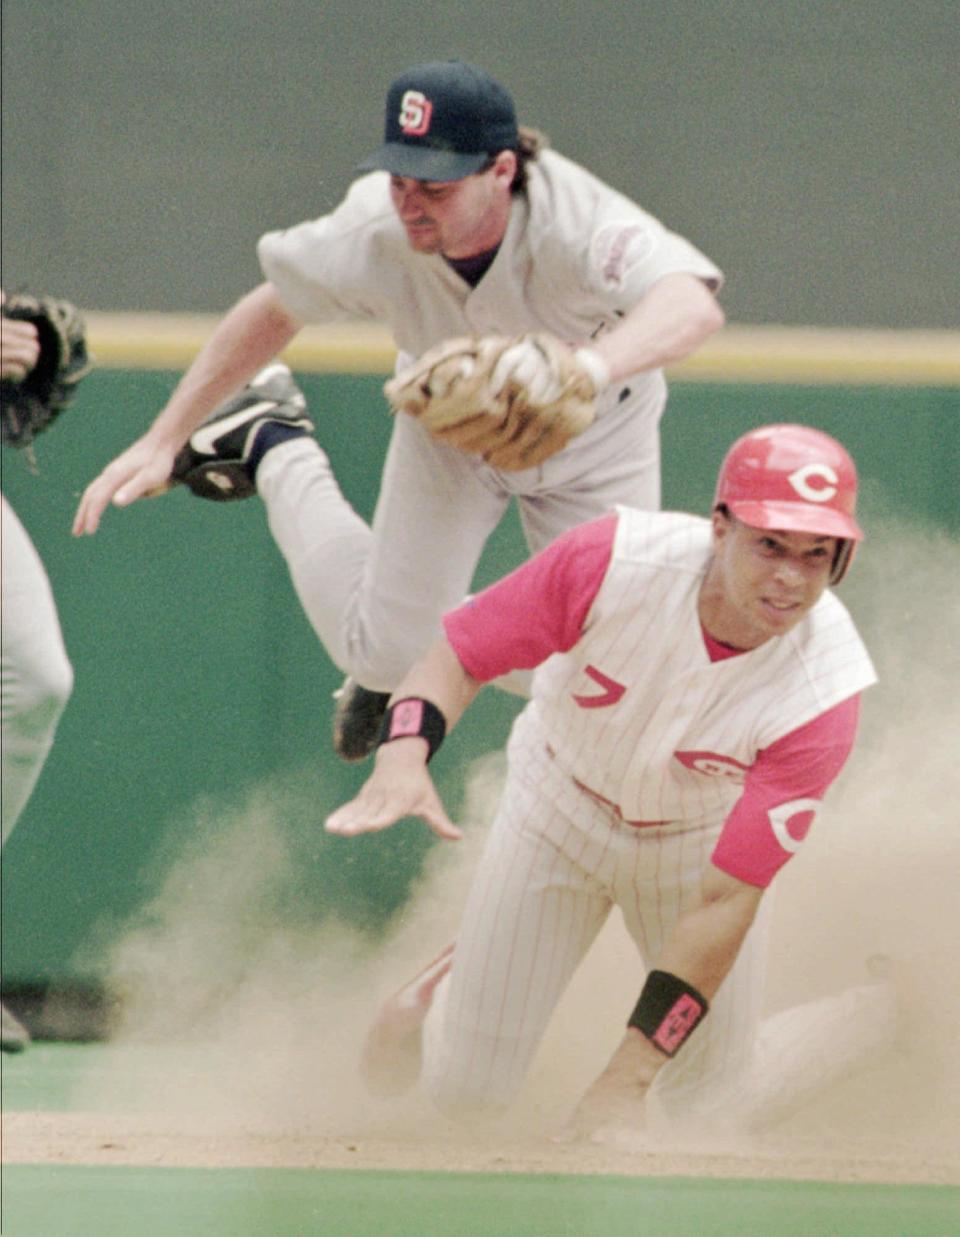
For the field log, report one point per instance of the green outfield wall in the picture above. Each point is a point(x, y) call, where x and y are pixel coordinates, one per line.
point(199, 683)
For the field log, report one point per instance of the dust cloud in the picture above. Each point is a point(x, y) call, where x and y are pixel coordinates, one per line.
point(880, 871)
point(233, 1011)
point(231, 1014)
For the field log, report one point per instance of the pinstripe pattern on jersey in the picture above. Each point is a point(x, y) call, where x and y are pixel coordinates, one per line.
point(557, 860)
point(643, 632)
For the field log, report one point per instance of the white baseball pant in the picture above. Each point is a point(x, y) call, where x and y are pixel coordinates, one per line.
point(555, 864)
point(375, 595)
point(35, 674)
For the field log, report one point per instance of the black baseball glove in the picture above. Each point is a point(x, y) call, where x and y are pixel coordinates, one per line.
point(29, 405)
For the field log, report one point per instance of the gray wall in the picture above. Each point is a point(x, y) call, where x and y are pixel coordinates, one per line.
point(812, 149)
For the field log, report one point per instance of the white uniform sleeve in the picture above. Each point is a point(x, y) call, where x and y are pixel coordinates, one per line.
point(628, 255)
point(594, 238)
point(323, 269)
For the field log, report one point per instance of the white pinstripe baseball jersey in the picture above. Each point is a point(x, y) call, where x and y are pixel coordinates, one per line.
point(639, 712)
point(643, 713)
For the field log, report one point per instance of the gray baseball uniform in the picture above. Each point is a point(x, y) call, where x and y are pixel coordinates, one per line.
point(576, 256)
point(36, 674)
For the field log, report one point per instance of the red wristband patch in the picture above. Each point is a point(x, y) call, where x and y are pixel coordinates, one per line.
point(406, 718)
point(677, 1024)
point(412, 718)
point(668, 1011)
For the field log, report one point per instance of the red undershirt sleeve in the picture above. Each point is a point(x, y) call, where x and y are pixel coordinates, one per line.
point(538, 609)
point(782, 793)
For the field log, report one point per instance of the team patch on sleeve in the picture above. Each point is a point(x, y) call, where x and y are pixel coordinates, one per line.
point(618, 248)
point(791, 822)
point(783, 794)
point(758, 840)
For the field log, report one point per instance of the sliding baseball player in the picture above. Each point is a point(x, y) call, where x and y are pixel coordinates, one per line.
point(698, 692)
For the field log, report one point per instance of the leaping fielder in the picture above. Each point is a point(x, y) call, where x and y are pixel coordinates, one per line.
point(465, 226)
point(698, 692)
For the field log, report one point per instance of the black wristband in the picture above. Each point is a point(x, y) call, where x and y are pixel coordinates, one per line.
point(668, 1011)
point(414, 717)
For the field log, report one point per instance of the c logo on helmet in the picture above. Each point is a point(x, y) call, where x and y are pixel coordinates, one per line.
point(817, 483)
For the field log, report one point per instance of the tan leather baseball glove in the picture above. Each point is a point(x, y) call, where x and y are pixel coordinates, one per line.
point(514, 401)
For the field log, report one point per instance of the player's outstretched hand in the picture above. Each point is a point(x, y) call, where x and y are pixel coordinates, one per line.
point(399, 786)
point(614, 1101)
point(143, 469)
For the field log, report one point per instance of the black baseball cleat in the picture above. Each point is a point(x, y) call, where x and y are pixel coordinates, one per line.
point(357, 720)
point(216, 462)
point(14, 1036)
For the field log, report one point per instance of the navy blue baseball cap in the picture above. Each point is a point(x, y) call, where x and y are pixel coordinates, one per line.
point(444, 120)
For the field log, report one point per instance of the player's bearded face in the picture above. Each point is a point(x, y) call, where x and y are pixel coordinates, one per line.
point(762, 582)
point(459, 218)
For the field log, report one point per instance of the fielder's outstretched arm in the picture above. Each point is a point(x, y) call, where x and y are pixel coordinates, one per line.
point(254, 331)
point(400, 784)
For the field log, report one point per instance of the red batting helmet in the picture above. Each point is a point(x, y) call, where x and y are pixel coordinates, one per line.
point(793, 478)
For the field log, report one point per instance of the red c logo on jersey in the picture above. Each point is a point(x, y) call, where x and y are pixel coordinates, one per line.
point(712, 764)
point(415, 113)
